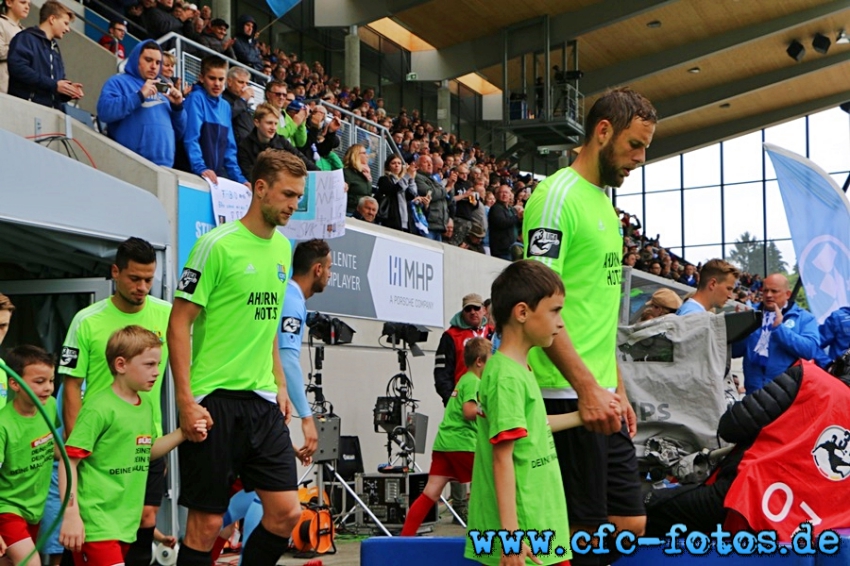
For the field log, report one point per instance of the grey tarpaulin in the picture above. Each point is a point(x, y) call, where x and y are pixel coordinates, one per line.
point(673, 369)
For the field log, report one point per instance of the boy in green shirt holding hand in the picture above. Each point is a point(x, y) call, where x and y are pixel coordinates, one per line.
point(110, 449)
point(26, 452)
point(516, 479)
point(454, 447)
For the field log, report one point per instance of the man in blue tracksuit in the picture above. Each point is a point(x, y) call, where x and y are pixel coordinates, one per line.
point(137, 115)
point(788, 333)
point(834, 336)
point(208, 140)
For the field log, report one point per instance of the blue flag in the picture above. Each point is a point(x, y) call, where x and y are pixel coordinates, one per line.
point(280, 7)
point(819, 218)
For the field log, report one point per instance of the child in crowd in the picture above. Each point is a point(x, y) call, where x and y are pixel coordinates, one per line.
point(110, 449)
point(516, 480)
point(208, 140)
point(26, 452)
point(454, 447)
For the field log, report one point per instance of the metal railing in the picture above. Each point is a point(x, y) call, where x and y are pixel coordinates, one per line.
point(189, 63)
point(356, 129)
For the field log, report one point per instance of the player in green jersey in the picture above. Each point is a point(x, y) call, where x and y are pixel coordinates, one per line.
point(229, 301)
point(515, 481)
point(84, 359)
point(6, 310)
point(454, 447)
point(110, 450)
point(26, 452)
point(570, 225)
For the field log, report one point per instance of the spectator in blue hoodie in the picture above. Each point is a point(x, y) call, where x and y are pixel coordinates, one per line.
point(208, 140)
point(36, 70)
point(138, 116)
point(245, 46)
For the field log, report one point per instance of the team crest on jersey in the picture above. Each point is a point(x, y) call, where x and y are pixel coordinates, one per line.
point(189, 280)
point(281, 272)
point(69, 357)
point(290, 325)
point(832, 453)
point(543, 242)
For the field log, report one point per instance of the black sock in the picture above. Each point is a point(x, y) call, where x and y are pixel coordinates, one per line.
point(263, 548)
point(140, 552)
point(191, 557)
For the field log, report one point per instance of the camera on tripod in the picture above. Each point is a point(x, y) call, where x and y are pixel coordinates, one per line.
point(329, 330)
point(406, 334)
point(566, 76)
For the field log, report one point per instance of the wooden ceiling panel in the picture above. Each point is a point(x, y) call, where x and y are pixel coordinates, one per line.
point(827, 82)
point(755, 58)
point(447, 22)
point(682, 22)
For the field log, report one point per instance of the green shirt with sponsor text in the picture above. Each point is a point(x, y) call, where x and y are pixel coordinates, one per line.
point(112, 478)
point(240, 280)
point(509, 399)
point(570, 225)
point(26, 461)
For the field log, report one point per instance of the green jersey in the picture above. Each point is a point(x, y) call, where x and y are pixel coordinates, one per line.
point(239, 279)
point(510, 399)
point(26, 461)
point(84, 352)
point(456, 433)
point(111, 480)
point(570, 225)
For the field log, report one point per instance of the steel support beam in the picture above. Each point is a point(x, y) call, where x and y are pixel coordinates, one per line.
point(631, 70)
point(483, 52)
point(695, 139)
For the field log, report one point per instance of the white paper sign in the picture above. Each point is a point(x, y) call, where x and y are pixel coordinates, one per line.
point(230, 200)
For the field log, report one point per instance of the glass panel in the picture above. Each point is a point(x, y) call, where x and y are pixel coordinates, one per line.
point(633, 204)
point(702, 216)
point(786, 256)
point(777, 222)
point(663, 216)
point(790, 136)
point(633, 183)
point(742, 158)
point(663, 175)
point(701, 254)
point(702, 166)
point(742, 210)
point(829, 140)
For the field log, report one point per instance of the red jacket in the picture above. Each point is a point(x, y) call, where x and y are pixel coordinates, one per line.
point(448, 363)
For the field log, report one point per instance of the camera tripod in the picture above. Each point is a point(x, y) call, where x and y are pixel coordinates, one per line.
point(326, 461)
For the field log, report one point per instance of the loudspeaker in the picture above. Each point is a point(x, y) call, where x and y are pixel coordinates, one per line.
point(796, 51)
point(350, 458)
point(417, 424)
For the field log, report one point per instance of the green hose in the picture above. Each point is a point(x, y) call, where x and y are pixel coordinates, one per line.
point(43, 535)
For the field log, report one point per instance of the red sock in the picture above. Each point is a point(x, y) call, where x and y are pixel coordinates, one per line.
point(217, 548)
point(416, 514)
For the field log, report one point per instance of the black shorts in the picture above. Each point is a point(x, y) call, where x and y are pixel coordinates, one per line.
point(155, 488)
point(248, 440)
point(600, 472)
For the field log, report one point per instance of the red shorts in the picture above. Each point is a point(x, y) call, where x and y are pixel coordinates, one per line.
point(101, 553)
point(13, 529)
point(455, 465)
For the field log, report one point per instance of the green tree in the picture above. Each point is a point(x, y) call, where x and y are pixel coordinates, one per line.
point(748, 254)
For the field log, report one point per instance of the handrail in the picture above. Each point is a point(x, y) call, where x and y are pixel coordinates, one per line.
point(353, 118)
point(180, 39)
point(116, 16)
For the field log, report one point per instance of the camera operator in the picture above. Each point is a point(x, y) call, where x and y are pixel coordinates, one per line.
point(311, 269)
point(321, 135)
point(142, 112)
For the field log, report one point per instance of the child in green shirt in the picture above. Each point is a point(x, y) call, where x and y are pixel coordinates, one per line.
point(516, 479)
point(110, 449)
point(454, 447)
point(26, 452)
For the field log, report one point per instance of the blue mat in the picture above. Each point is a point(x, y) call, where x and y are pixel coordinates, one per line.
point(413, 551)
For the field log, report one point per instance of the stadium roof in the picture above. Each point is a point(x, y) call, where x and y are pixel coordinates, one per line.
point(713, 68)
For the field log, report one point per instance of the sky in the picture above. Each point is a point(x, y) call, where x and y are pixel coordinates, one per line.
point(722, 202)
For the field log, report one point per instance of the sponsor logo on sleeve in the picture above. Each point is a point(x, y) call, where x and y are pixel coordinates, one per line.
point(69, 357)
point(543, 242)
point(144, 440)
point(290, 325)
point(189, 280)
